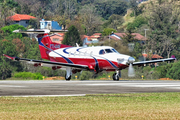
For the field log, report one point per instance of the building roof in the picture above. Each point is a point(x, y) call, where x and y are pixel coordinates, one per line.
point(153, 56)
point(137, 36)
point(85, 36)
point(97, 34)
point(114, 38)
point(19, 17)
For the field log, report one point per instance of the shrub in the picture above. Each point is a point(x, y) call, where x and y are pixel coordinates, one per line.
point(28, 75)
point(86, 75)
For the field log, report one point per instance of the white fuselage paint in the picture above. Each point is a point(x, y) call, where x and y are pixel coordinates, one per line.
point(90, 53)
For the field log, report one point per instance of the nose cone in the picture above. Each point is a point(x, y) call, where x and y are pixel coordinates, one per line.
point(131, 59)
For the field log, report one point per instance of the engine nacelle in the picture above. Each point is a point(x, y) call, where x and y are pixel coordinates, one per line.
point(74, 71)
point(37, 64)
point(56, 67)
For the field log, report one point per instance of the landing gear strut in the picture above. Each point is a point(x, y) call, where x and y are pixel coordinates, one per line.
point(117, 75)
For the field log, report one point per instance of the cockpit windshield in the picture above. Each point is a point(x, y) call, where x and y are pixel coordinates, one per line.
point(103, 51)
point(108, 50)
point(115, 50)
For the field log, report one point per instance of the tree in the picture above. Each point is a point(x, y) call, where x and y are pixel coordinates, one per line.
point(106, 8)
point(137, 23)
point(128, 38)
point(8, 30)
point(163, 21)
point(7, 66)
point(90, 19)
point(72, 37)
point(5, 11)
point(134, 6)
point(34, 23)
point(173, 71)
point(108, 31)
point(114, 21)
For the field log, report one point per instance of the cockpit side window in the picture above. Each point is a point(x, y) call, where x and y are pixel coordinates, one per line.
point(115, 50)
point(108, 50)
point(101, 52)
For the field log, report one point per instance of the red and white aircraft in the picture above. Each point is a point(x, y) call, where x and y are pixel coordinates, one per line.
point(76, 59)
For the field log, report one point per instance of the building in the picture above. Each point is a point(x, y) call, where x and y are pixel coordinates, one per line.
point(118, 36)
point(57, 37)
point(90, 39)
point(51, 25)
point(21, 19)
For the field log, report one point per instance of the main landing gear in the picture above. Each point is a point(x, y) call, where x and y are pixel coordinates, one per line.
point(117, 75)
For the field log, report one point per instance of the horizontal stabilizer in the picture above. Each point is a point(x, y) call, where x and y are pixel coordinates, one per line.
point(39, 31)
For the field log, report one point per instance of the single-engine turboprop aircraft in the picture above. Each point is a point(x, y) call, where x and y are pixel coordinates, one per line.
point(76, 59)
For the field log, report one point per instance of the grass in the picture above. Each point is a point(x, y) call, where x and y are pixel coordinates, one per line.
point(99, 107)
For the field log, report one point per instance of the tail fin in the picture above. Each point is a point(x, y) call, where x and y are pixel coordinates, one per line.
point(46, 45)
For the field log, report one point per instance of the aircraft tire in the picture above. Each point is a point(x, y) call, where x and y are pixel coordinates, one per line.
point(115, 77)
point(68, 79)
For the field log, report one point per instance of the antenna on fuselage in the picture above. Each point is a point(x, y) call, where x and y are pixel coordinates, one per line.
point(77, 45)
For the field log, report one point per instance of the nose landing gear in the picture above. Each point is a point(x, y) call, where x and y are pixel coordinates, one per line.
point(117, 75)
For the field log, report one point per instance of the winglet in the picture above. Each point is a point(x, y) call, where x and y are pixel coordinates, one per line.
point(173, 57)
point(9, 57)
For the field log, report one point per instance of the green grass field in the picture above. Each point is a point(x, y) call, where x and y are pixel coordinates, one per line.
point(93, 107)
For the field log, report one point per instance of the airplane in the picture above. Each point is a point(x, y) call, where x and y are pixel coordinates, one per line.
point(76, 59)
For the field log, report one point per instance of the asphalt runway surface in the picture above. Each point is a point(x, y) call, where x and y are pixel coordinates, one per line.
point(80, 88)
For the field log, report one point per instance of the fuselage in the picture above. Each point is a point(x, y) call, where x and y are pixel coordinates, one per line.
point(97, 57)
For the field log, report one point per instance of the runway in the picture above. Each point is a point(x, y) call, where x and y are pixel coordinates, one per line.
point(80, 88)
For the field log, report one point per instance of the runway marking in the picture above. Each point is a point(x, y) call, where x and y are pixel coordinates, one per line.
point(11, 86)
point(138, 85)
point(48, 95)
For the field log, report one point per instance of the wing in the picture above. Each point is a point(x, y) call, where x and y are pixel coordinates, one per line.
point(153, 61)
point(50, 63)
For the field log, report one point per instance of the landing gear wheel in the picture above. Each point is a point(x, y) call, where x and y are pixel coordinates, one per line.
point(115, 77)
point(68, 79)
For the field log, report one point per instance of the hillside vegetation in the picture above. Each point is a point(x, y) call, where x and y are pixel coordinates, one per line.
point(160, 18)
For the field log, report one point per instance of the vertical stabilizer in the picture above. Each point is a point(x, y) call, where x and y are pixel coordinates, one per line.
point(46, 45)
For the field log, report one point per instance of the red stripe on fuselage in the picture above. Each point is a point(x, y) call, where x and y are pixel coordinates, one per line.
point(103, 64)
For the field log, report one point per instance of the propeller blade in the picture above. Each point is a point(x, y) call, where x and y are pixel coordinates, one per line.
point(131, 72)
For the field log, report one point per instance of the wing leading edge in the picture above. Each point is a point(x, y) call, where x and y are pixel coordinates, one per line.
point(48, 62)
point(153, 61)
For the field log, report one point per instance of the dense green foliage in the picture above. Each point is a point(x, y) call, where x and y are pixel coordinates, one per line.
point(138, 22)
point(28, 75)
point(106, 8)
point(108, 31)
point(72, 37)
point(8, 30)
point(7, 66)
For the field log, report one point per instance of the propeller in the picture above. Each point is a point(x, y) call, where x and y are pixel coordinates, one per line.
point(131, 72)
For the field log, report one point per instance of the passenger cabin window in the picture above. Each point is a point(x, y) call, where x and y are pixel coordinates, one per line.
point(101, 52)
point(108, 50)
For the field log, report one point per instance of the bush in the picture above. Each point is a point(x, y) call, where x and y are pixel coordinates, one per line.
point(174, 71)
point(28, 75)
point(86, 75)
